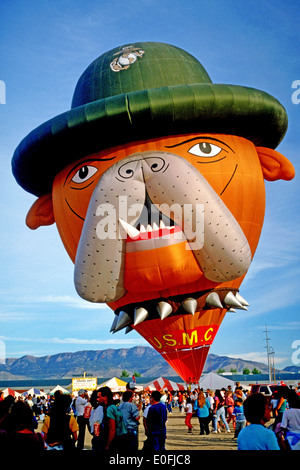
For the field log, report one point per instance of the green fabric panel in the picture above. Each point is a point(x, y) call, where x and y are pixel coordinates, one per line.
point(142, 115)
point(160, 65)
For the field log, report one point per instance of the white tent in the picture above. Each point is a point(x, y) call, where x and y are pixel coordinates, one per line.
point(214, 381)
point(60, 388)
point(34, 391)
point(115, 384)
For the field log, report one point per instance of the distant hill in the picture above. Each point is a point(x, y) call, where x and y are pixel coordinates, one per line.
point(295, 369)
point(110, 362)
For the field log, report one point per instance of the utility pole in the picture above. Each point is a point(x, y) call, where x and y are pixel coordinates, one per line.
point(269, 356)
point(272, 361)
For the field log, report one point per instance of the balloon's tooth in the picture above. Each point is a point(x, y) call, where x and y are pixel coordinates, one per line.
point(130, 230)
point(123, 321)
point(164, 309)
point(128, 330)
point(241, 299)
point(213, 300)
point(114, 324)
point(190, 305)
point(231, 301)
point(140, 314)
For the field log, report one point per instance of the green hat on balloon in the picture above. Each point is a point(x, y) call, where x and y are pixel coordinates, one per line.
point(141, 91)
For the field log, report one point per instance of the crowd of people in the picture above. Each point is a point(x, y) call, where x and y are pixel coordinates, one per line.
point(249, 414)
point(113, 420)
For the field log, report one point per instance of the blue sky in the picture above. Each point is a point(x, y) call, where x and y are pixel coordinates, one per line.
point(45, 46)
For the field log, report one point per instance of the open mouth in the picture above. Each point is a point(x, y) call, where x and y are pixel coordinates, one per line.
point(152, 224)
point(134, 314)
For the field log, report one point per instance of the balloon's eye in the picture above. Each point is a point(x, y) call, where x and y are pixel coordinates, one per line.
point(84, 173)
point(205, 149)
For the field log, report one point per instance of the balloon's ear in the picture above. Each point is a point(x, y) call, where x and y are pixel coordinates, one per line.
point(274, 165)
point(41, 212)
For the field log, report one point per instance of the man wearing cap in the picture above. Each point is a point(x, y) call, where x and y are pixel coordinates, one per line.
point(81, 401)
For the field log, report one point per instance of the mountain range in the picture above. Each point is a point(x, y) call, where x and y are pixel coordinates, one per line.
point(111, 362)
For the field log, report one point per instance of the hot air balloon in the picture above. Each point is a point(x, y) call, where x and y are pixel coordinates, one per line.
point(155, 180)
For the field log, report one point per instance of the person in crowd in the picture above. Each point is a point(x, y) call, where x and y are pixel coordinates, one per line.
point(29, 401)
point(289, 434)
point(164, 398)
point(20, 435)
point(80, 403)
point(229, 402)
point(156, 422)
point(202, 407)
point(169, 401)
point(238, 393)
point(193, 397)
point(219, 412)
point(95, 420)
point(256, 436)
point(189, 414)
point(180, 400)
point(5, 406)
point(238, 416)
point(273, 404)
point(131, 417)
point(281, 404)
point(60, 429)
point(113, 430)
point(211, 401)
point(145, 414)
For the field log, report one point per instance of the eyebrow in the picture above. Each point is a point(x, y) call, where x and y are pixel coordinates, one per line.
point(197, 138)
point(86, 161)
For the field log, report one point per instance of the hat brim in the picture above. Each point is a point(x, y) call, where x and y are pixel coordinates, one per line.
point(214, 108)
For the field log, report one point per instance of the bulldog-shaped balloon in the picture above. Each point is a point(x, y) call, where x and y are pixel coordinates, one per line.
point(155, 180)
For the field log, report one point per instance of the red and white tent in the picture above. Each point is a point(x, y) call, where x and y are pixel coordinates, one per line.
point(9, 391)
point(163, 384)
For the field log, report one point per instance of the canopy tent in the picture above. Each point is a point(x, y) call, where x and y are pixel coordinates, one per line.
point(214, 381)
point(115, 384)
point(9, 391)
point(34, 391)
point(61, 389)
point(163, 384)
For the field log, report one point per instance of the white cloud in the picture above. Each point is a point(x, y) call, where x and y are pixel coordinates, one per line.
point(92, 341)
point(250, 356)
point(70, 301)
point(258, 357)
